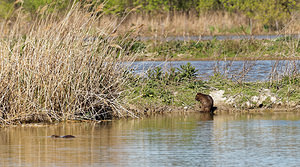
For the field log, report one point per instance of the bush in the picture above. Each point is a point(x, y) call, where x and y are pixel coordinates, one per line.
point(6, 9)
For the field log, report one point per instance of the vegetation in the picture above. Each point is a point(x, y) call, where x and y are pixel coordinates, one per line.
point(176, 88)
point(63, 60)
point(160, 16)
point(159, 87)
point(281, 48)
point(52, 71)
point(271, 12)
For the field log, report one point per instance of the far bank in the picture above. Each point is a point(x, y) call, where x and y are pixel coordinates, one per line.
point(282, 48)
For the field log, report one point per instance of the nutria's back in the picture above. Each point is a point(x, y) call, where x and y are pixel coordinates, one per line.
point(66, 136)
point(206, 101)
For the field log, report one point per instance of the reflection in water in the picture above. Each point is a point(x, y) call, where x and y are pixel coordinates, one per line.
point(170, 140)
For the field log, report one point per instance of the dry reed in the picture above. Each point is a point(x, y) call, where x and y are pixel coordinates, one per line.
point(194, 24)
point(58, 69)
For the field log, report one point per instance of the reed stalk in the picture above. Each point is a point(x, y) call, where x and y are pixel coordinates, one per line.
point(61, 68)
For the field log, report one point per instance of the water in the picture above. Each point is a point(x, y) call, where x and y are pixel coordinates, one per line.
point(260, 70)
point(268, 139)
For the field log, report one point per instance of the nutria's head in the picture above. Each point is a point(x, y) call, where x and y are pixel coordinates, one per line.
point(55, 136)
point(199, 96)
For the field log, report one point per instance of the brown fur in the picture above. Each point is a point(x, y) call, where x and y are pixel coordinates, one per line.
point(206, 101)
point(66, 136)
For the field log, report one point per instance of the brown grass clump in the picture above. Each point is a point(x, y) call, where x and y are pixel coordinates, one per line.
point(54, 69)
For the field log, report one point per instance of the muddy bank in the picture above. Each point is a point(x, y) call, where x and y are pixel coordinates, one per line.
point(265, 102)
point(221, 109)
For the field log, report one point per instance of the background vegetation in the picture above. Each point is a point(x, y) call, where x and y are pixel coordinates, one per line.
point(246, 49)
point(270, 14)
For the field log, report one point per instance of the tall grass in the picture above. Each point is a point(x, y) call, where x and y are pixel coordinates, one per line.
point(210, 23)
point(57, 68)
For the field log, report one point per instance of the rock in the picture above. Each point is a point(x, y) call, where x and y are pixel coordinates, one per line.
point(218, 97)
point(273, 99)
point(254, 99)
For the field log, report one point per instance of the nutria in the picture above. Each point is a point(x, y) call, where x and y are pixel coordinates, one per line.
point(206, 101)
point(55, 136)
point(66, 136)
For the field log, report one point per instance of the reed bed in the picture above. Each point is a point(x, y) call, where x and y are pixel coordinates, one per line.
point(61, 67)
point(195, 24)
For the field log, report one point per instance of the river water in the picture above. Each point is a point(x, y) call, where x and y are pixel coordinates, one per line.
point(260, 70)
point(194, 139)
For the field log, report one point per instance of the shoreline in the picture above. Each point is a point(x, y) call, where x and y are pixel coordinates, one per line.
point(216, 59)
point(281, 49)
point(221, 109)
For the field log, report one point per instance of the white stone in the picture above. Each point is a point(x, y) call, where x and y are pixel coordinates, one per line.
point(262, 98)
point(254, 99)
point(248, 104)
point(273, 99)
point(217, 95)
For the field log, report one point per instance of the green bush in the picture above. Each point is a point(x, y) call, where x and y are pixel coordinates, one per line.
point(187, 72)
point(6, 9)
point(272, 13)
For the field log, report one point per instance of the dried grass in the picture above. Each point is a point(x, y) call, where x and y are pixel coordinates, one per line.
point(58, 69)
point(194, 24)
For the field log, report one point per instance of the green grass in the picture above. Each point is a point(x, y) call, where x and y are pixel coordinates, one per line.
point(219, 49)
point(164, 91)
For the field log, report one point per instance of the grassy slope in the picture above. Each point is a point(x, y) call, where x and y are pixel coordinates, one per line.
point(163, 92)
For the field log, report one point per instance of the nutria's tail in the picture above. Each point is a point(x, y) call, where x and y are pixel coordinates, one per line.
point(213, 109)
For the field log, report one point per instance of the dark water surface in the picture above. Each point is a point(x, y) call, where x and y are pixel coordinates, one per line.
point(260, 70)
point(268, 139)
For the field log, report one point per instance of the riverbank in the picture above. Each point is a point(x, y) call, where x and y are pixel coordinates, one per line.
point(284, 48)
point(50, 72)
point(175, 90)
point(150, 58)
